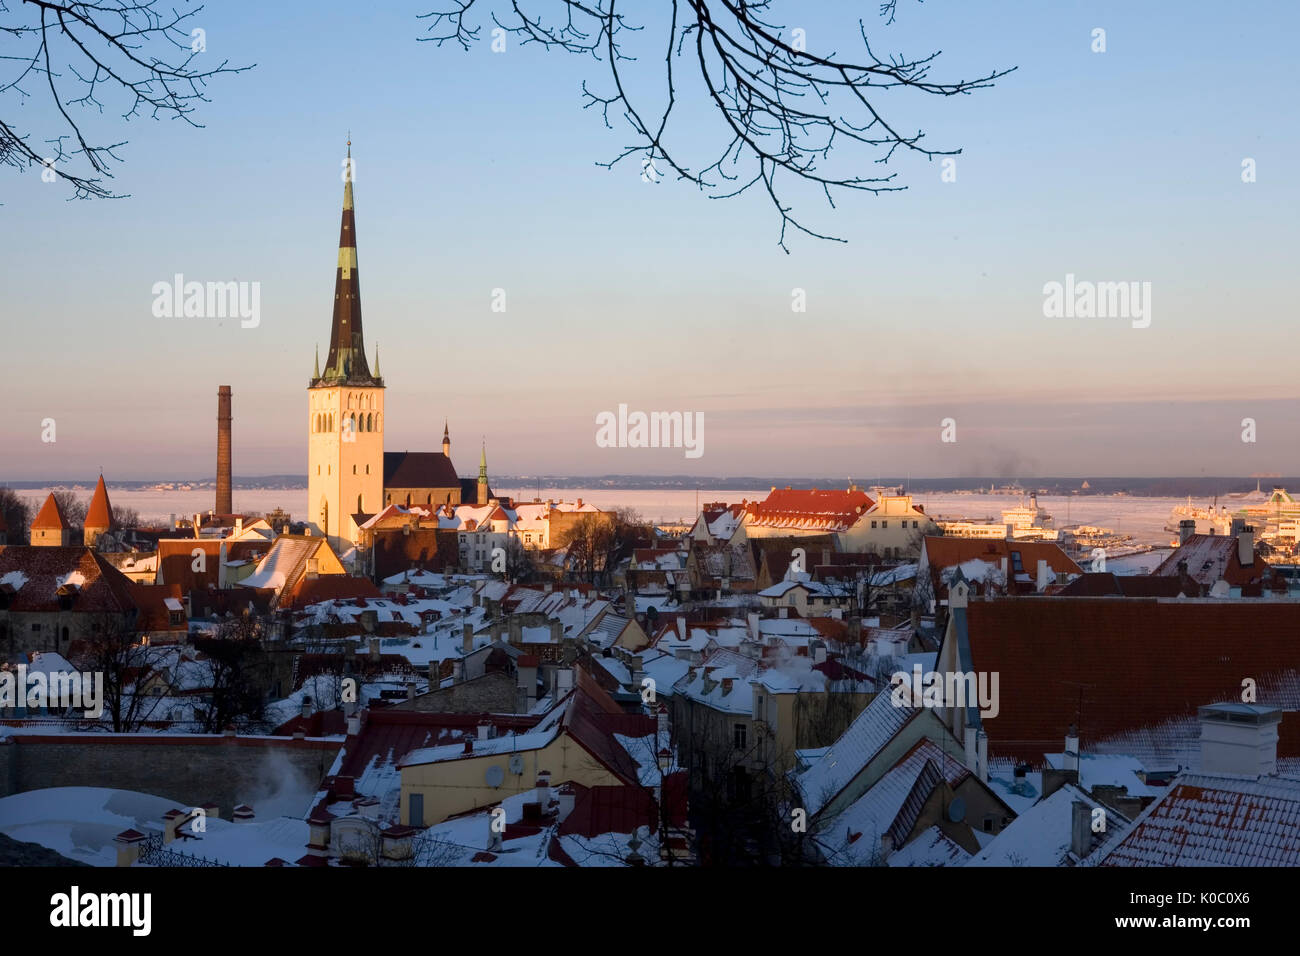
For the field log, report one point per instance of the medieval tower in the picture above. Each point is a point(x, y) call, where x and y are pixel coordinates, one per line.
point(345, 422)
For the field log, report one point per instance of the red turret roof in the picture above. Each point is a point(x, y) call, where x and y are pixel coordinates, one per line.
point(49, 518)
point(100, 513)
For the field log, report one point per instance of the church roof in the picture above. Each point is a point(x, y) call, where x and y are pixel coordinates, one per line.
point(49, 518)
point(100, 513)
point(419, 469)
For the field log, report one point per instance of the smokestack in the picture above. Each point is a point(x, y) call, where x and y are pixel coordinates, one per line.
point(224, 504)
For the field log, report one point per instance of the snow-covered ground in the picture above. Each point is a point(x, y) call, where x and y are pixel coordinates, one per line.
point(1144, 518)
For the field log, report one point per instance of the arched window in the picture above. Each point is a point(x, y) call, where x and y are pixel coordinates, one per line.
point(360, 510)
point(429, 499)
point(408, 500)
point(370, 422)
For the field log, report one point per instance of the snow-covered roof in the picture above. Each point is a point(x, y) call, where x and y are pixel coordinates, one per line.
point(879, 721)
point(1040, 835)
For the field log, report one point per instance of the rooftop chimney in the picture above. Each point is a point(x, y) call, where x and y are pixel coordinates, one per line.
point(1246, 546)
point(224, 504)
point(1080, 828)
point(1186, 528)
point(1239, 739)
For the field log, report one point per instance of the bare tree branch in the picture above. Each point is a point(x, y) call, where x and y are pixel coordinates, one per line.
point(139, 50)
point(782, 109)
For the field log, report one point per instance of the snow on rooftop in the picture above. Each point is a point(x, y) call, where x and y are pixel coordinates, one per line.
point(1039, 836)
point(855, 748)
point(15, 579)
point(509, 743)
point(1117, 770)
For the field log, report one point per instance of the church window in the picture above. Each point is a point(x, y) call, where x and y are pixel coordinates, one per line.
point(367, 469)
point(354, 469)
point(360, 510)
point(370, 423)
point(318, 469)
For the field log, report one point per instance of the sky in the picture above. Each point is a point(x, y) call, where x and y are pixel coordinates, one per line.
point(477, 171)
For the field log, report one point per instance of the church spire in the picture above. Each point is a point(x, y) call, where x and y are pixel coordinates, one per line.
point(346, 361)
point(446, 439)
point(482, 476)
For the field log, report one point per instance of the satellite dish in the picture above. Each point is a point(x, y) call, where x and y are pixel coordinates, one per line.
point(494, 776)
point(957, 810)
point(516, 764)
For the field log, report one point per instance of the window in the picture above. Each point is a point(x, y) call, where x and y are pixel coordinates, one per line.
point(416, 810)
point(884, 524)
point(916, 524)
point(354, 469)
point(988, 824)
point(36, 627)
point(738, 736)
point(873, 524)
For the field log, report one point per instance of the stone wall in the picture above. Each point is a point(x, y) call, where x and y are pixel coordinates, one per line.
point(274, 775)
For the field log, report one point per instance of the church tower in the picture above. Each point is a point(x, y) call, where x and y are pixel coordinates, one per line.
point(482, 476)
point(345, 422)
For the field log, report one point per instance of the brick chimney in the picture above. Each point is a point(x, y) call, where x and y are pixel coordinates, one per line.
point(224, 504)
point(1186, 528)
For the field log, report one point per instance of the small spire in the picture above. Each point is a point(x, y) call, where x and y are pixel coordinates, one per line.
point(446, 435)
point(316, 371)
point(482, 463)
point(377, 360)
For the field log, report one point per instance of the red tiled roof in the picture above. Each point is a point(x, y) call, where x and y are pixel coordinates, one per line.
point(102, 587)
point(1106, 584)
point(176, 560)
point(331, 587)
point(1206, 820)
point(947, 552)
point(1119, 665)
point(389, 735)
point(50, 517)
point(99, 514)
point(1211, 557)
point(154, 614)
point(593, 719)
point(811, 509)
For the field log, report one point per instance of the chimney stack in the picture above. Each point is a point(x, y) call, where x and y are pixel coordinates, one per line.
point(1246, 546)
point(224, 503)
point(1239, 739)
point(1186, 528)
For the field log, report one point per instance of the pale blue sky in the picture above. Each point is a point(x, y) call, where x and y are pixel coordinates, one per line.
point(477, 171)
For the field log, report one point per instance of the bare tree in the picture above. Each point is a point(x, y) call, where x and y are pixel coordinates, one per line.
point(780, 108)
point(140, 52)
point(240, 675)
point(129, 668)
point(17, 515)
point(73, 508)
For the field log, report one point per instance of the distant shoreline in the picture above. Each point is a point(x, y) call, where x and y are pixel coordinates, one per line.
point(538, 485)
